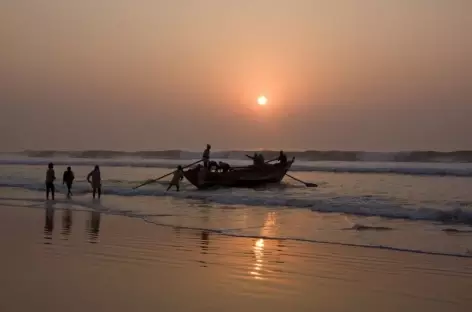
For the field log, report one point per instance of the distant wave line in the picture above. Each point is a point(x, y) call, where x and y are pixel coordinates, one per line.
point(415, 169)
point(460, 156)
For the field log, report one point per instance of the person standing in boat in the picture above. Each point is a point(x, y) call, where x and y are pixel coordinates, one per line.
point(206, 156)
point(178, 176)
point(50, 178)
point(282, 158)
point(95, 179)
point(67, 179)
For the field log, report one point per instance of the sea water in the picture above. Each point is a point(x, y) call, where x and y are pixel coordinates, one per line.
point(407, 207)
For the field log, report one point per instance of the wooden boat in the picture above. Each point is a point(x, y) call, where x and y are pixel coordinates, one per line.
point(250, 176)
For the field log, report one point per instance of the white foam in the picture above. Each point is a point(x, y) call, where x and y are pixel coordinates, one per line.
point(429, 169)
point(370, 206)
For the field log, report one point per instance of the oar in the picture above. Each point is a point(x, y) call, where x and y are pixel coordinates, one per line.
point(166, 175)
point(307, 184)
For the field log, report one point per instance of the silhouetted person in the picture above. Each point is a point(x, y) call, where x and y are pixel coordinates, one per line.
point(258, 159)
point(206, 156)
point(95, 179)
point(178, 176)
point(224, 167)
point(50, 177)
point(282, 158)
point(67, 179)
point(213, 164)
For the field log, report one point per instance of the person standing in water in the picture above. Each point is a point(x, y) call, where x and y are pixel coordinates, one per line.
point(206, 156)
point(50, 177)
point(95, 179)
point(178, 176)
point(67, 179)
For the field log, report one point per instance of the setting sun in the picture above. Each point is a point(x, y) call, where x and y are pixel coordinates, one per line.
point(262, 100)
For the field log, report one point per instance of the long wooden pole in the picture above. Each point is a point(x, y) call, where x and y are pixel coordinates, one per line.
point(166, 175)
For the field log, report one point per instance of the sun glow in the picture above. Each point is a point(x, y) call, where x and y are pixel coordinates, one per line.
point(262, 100)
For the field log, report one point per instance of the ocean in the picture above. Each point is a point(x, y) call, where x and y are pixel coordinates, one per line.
point(412, 207)
point(376, 235)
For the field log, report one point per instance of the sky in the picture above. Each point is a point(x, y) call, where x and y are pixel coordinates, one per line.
point(376, 75)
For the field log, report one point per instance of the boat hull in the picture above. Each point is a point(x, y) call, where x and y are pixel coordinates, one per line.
point(246, 177)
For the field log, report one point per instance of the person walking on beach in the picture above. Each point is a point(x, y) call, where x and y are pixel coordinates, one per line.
point(178, 176)
point(95, 179)
point(206, 156)
point(67, 179)
point(50, 177)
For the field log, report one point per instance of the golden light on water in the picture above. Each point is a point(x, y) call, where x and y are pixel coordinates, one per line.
point(258, 247)
point(258, 250)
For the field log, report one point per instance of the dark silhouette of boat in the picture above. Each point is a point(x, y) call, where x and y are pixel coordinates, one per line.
point(245, 177)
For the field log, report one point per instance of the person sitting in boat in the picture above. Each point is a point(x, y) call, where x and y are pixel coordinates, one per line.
point(178, 176)
point(224, 167)
point(213, 164)
point(282, 158)
point(261, 159)
point(206, 156)
point(256, 159)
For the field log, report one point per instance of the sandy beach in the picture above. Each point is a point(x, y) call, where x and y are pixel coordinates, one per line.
point(62, 260)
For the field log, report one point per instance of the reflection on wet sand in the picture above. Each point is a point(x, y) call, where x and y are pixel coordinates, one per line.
point(258, 248)
point(94, 226)
point(177, 231)
point(204, 242)
point(49, 222)
point(66, 223)
point(205, 235)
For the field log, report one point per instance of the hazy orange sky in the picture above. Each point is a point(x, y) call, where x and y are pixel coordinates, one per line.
point(149, 74)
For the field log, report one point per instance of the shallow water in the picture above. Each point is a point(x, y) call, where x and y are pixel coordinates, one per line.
point(415, 214)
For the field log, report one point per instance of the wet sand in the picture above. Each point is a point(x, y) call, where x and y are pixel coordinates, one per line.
point(63, 260)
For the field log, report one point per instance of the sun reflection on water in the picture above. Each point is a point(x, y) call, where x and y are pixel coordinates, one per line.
point(258, 247)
